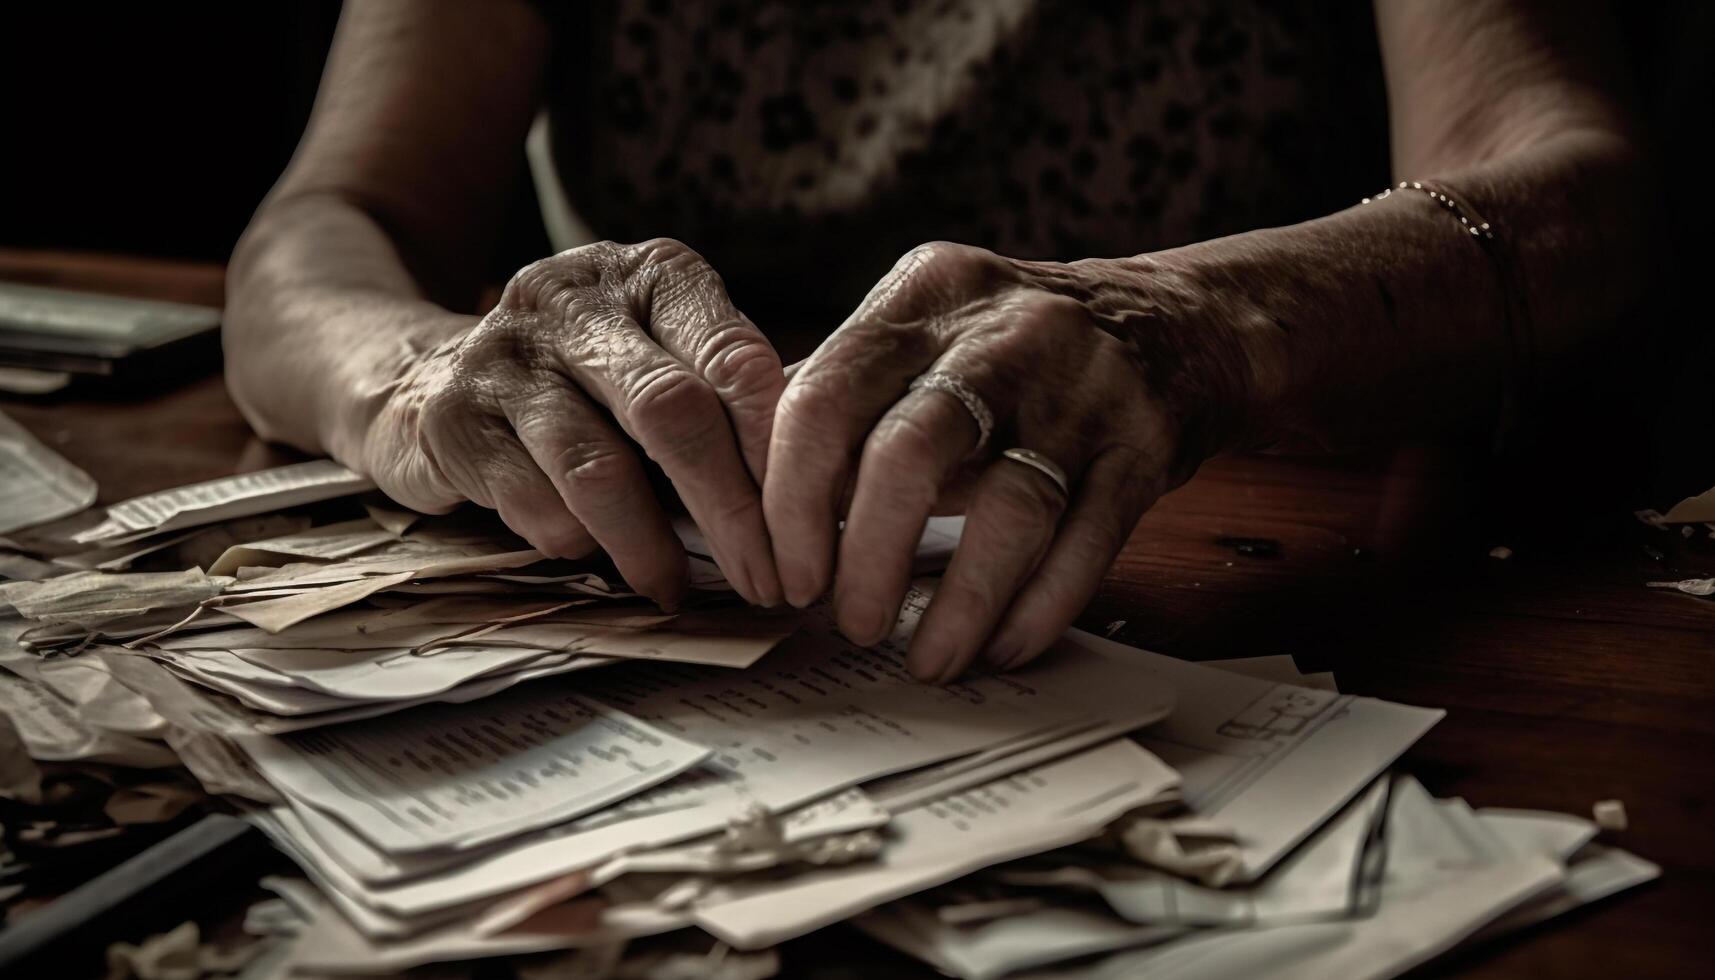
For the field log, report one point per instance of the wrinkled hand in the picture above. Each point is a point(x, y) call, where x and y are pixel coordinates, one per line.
point(1059, 379)
point(539, 411)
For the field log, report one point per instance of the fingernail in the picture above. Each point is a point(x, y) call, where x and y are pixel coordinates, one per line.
point(924, 669)
point(798, 583)
point(766, 581)
point(927, 664)
point(1001, 653)
point(863, 620)
point(1018, 657)
point(668, 597)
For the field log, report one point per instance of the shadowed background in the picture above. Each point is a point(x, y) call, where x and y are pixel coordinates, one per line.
point(155, 129)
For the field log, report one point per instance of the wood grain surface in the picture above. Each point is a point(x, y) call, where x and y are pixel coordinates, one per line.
point(1565, 680)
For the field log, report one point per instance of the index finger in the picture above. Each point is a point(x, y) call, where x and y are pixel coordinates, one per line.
point(678, 419)
point(828, 410)
point(692, 318)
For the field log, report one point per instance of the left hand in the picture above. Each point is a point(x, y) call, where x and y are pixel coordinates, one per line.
point(1061, 378)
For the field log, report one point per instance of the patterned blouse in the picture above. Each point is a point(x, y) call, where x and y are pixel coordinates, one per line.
point(803, 145)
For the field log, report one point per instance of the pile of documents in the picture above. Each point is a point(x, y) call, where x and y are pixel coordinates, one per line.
point(472, 751)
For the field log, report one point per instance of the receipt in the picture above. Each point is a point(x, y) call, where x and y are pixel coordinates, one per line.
point(38, 484)
point(226, 498)
point(446, 776)
point(822, 714)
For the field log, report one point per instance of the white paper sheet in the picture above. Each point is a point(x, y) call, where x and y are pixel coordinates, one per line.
point(1271, 761)
point(329, 944)
point(462, 776)
point(51, 726)
point(1407, 930)
point(226, 498)
point(818, 716)
point(1275, 667)
point(37, 484)
point(552, 665)
point(822, 714)
point(328, 542)
point(100, 700)
point(1008, 944)
point(367, 675)
point(1315, 881)
point(1593, 874)
point(1035, 810)
point(1447, 873)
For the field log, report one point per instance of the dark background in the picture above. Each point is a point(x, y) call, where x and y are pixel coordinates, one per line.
point(156, 129)
point(152, 129)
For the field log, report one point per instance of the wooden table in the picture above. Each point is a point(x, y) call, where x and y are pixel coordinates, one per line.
point(1565, 680)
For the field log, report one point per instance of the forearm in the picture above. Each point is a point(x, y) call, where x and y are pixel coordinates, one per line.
point(322, 319)
point(1386, 320)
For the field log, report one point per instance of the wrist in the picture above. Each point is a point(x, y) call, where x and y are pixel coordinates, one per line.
point(1186, 331)
point(366, 384)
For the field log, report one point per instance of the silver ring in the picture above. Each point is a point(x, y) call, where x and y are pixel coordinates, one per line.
point(952, 384)
point(1040, 464)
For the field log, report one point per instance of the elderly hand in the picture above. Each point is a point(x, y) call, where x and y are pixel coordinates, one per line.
point(1066, 358)
point(538, 412)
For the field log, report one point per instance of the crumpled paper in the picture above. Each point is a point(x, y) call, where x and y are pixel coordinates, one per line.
point(1690, 586)
point(1202, 854)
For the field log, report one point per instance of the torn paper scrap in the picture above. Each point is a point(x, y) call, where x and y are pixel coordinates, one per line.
point(1690, 586)
point(328, 542)
point(92, 598)
point(226, 498)
point(54, 730)
point(37, 484)
point(1693, 509)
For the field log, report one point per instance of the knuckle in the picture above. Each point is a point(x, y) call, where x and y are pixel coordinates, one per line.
point(671, 274)
point(1055, 311)
point(970, 591)
point(675, 407)
point(1022, 501)
point(596, 472)
point(564, 540)
point(950, 264)
point(902, 440)
point(549, 283)
point(665, 250)
point(534, 284)
point(811, 404)
point(935, 277)
point(734, 510)
point(740, 364)
point(1103, 532)
point(903, 454)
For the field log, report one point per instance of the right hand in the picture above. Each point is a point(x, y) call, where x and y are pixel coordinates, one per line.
point(539, 409)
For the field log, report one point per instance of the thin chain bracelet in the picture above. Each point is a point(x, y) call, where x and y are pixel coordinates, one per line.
point(1478, 228)
point(1519, 387)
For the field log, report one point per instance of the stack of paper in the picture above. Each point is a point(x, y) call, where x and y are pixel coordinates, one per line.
point(408, 707)
point(1390, 880)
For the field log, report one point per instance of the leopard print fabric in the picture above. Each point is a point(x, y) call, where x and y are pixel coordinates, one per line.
point(815, 141)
